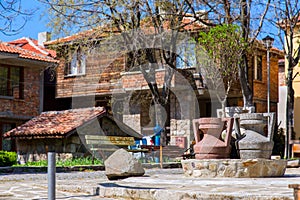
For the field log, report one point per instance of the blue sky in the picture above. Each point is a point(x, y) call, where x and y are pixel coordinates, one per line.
point(37, 24)
point(33, 26)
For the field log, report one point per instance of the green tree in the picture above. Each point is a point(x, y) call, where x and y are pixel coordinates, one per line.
point(224, 46)
point(250, 15)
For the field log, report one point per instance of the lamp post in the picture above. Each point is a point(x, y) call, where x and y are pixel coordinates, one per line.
point(268, 42)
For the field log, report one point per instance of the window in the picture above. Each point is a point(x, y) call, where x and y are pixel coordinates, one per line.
point(76, 64)
point(186, 56)
point(12, 81)
point(258, 68)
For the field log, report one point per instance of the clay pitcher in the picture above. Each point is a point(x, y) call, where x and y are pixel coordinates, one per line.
point(209, 144)
point(256, 143)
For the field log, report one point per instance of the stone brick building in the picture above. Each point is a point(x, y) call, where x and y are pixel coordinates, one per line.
point(22, 63)
point(104, 80)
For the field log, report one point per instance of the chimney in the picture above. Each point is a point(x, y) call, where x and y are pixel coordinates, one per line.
point(202, 14)
point(43, 37)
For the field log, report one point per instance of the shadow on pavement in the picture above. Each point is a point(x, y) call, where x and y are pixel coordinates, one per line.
point(128, 187)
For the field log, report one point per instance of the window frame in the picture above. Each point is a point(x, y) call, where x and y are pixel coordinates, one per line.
point(9, 91)
point(75, 63)
point(186, 58)
point(258, 75)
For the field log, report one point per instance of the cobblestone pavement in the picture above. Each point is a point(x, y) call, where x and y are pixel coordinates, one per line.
point(74, 185)
point(155, 184)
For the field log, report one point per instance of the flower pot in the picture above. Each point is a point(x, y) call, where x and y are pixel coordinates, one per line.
point(257, 143)
point(207, 132)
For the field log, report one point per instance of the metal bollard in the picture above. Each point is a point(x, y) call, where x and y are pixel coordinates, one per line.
point(51, 175)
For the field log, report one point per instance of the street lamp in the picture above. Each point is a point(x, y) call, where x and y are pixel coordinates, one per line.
point(268, 42)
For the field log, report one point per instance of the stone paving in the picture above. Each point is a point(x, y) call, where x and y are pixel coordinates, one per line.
point(155, 184)
point(74, 185)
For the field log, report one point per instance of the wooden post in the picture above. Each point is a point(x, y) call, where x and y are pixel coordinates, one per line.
point(296, 188)
point(160, 156)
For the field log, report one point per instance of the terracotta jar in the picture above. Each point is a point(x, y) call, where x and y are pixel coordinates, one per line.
point(208, 137)
point(257, 141)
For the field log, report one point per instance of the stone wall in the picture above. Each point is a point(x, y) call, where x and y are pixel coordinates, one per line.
point(181, 132)
point(36, 149)
point(238, 168)
point(133, 121)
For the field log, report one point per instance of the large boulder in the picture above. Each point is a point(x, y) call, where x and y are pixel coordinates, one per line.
point(122, 164)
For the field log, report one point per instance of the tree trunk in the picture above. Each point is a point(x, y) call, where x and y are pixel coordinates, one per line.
point(289, 110)
point(244, 79)
point(244, 82)
point(160, 99)
point(223, 108)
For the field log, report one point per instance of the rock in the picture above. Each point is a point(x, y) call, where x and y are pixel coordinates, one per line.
point(122, 164)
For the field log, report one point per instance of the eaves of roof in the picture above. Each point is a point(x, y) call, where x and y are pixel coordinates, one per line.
point(24, 53)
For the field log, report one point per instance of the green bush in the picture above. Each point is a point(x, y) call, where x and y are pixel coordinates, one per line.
point(7, 158)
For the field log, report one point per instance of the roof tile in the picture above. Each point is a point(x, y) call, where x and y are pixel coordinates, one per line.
point(55, 123)
point(26, 49)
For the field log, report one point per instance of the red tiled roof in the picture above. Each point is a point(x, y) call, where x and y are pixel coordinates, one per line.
point(32, 45)
point(55, 123)
point(25, 53)
point(188, 23)
point(92, 33)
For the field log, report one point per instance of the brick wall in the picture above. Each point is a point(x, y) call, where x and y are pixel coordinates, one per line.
point(260, 87)
point(30, 105)
point(136, 80)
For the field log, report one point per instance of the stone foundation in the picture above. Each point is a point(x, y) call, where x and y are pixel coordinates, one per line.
point(30, 157)
point(237, 168)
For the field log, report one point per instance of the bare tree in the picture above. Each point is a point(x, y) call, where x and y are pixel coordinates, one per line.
point(142, 23)
point(286, 19)
point(12, 16)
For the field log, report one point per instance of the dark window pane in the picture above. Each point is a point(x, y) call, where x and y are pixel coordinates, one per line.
point(3, 81)
point(11, 81)
point(15, 81)
point(258, 68)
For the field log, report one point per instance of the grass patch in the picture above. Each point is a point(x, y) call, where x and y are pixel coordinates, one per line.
point(65, 163)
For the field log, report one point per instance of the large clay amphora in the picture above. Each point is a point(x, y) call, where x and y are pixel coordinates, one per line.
point(209, 143)
point(257, 141)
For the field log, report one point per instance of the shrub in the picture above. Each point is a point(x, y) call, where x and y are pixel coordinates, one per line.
point(7, 158)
